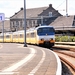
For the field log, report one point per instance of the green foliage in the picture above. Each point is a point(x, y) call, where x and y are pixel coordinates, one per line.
point(65, 38)
point(57, 38)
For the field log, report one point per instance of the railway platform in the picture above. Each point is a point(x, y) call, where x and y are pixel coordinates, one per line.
point(67, 45)
point(15, 59)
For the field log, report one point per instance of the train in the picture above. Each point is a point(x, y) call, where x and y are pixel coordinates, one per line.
point(41, 35)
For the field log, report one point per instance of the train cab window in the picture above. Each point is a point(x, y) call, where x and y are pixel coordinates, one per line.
point(45, 30)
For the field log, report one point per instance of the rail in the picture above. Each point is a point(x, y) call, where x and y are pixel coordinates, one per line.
point(67, 56)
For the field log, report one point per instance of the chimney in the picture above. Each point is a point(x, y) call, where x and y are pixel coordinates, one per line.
point(50, 5)
point(21, 8)
point(15, 13)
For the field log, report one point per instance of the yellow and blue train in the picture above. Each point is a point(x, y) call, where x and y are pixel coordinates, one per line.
point(41, 35)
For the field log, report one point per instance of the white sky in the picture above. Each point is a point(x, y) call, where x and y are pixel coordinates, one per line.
point(10, 7)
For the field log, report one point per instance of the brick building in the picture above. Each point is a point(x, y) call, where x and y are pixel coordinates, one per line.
point(34, 17)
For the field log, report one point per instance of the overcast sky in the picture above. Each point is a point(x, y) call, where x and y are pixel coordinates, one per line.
point(9, 7)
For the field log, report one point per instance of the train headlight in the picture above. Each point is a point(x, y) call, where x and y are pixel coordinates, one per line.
point(51, 39)
point(42, 39)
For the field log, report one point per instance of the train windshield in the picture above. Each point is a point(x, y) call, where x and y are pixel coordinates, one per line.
point(46, 31)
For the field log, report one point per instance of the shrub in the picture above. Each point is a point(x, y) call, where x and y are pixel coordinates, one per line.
point(65, 39)
point(57, 39)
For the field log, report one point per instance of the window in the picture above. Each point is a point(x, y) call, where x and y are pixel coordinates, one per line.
point(46, 30)
point(34, 22)
point(30, 23)
point(27, 35)
point(21, 35)
point(33, 34)
point(73, 23)
point(15, 36)
point(20, 23)
point(17, 24)
point(7, 36)
point(1, 37)
point(13, 23)
point(50, 14)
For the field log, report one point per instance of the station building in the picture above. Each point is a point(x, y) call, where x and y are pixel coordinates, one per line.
point(64, 25)
point(34, 17)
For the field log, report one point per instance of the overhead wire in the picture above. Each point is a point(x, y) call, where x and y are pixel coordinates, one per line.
point(60, 4)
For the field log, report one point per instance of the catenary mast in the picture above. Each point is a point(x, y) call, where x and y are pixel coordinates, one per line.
point(66, 7)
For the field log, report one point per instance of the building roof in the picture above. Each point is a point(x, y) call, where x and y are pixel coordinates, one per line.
point(35, 12)
point(29, 12)
point(61, 22)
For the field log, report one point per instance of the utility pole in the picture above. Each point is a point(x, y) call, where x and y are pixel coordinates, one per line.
point(2, 18)
point(3, 30)
point(66, 7)
point(25, 24)
point(41, 20)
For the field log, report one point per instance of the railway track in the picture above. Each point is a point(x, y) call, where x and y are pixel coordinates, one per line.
point(67, 56)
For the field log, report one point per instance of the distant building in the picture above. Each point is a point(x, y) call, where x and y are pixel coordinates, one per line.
point(34, 17)
point(64, 24)
point(6, 26)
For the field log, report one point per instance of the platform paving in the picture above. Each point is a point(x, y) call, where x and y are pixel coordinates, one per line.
point(15, 59)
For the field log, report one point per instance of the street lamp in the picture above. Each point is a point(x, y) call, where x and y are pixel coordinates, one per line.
point(25, 24)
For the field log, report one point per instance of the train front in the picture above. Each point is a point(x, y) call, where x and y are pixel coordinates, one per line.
point(46, 36)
